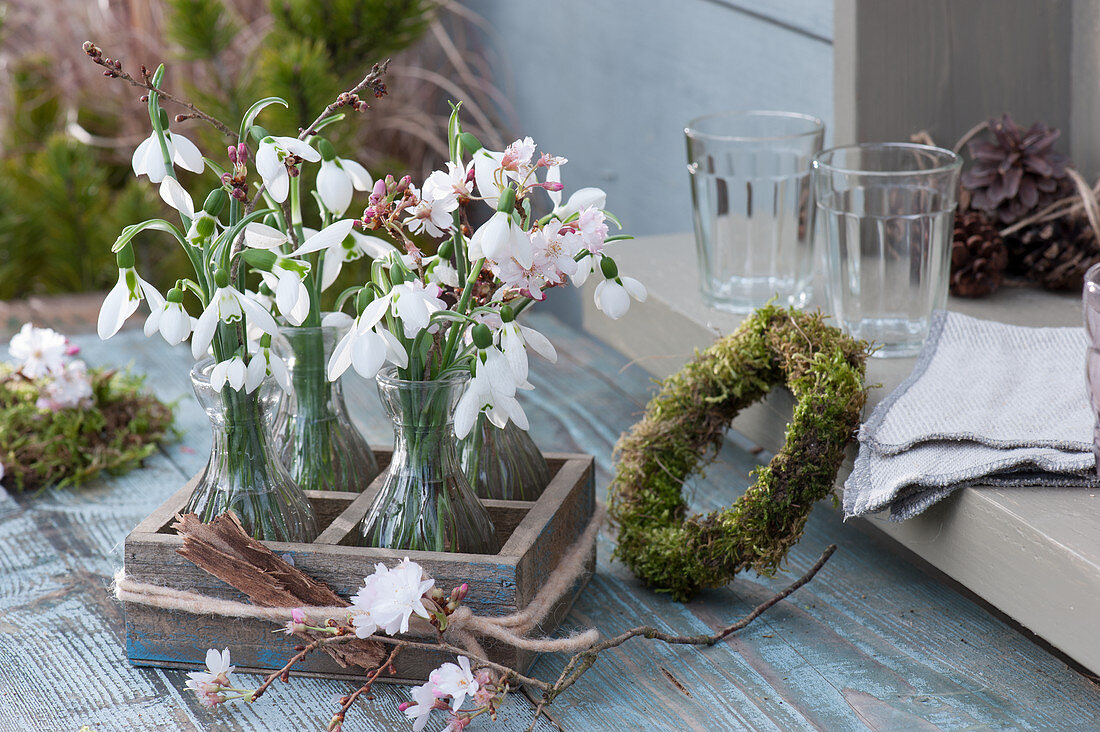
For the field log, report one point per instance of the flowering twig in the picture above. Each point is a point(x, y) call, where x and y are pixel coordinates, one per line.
point(335, 725)
point(284, 672)
point(114, 70)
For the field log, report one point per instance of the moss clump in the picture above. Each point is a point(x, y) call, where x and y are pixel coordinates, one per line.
point(680, 554)
point(39, 447)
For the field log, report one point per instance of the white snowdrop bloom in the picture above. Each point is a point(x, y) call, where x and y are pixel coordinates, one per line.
point(122, 301)
point(229, 305)
point(271, 162)
point(492, 389)
point(232, 371)
point(148, 158)
point(337, 180)
point(170, 319)
point(613, 295)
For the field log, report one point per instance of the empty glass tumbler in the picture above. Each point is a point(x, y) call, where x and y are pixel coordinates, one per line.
point(887, 212)
point(1091, 300)
point(751, 199)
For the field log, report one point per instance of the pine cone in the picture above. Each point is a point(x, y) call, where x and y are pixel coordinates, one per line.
point(978, 255)
point(1017, 172)
point(1057, 253)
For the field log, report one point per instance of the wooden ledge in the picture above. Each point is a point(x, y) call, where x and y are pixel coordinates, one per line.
point(1034, 553)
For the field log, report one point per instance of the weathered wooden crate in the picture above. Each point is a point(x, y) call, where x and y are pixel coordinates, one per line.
point(533, 534)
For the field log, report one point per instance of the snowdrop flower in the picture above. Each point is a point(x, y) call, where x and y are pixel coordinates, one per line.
point(489, 176)
point(614, 293)
point(68, 388)
point(272, 158)
point(411, 302)
point(122, 301)
point(500, 239)
point(338, 177)
point(586, 265)
point(38, 351)
point(264, 363)
point(582, 198)
point(231, 371)
point(170, 319)
point(419, 710)
point(492, 389)
point(228, 305)
point(291, 294)
point(455, 681)
point(366, 349)
point(149, 160)
point(515, 339)
point(353, 247)
point(209, 684)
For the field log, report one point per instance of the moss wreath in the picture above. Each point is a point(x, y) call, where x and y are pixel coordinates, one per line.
point(823, 368)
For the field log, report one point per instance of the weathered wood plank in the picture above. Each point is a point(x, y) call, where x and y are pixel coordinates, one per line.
point(872, 643)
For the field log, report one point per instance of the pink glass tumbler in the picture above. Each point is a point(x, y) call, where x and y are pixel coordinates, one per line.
point(1091, 300)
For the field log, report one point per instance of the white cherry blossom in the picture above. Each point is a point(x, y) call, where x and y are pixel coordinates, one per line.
point(455, 681)
point(419, 710)
point(38, 351)
point(209, 684)
point(70, 387)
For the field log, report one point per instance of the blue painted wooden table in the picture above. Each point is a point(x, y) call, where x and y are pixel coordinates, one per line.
point(872, 643)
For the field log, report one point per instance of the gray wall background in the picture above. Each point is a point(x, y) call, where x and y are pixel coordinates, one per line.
point(610, 84)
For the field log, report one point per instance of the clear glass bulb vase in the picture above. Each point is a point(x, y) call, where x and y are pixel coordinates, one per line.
point(425, 502)
point(503, 463)
point(315, 438)
point(244, 473)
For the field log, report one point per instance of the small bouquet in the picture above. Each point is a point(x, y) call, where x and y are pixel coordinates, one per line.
point(503, 238)
point(61, 422)
point(442, 319)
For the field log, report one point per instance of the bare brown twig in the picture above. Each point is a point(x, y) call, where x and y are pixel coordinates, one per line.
point(114, 69)
point(584, 660)
point(338, 718)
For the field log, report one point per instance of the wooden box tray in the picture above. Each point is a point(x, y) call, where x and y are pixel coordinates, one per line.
point(533, 535)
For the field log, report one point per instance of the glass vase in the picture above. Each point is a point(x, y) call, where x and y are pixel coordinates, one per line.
point(425, 502)
point(244, 473)
point(315, 438)
point(503, 463)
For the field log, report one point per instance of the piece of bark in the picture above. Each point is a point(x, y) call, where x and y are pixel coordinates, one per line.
point(223, 549)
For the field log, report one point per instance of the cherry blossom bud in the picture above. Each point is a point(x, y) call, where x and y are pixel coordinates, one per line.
point(232, 152)
point(242, 153)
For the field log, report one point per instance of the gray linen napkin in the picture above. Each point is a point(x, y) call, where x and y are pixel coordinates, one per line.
point(987, 403)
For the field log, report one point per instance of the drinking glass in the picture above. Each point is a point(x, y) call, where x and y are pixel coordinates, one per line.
point(1091, 301)
point(750, 193)
point(887, 212)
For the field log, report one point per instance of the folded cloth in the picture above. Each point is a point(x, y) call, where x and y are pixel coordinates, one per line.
point(988, 404)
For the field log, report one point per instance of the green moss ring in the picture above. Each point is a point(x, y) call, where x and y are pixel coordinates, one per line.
point(679, 554)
